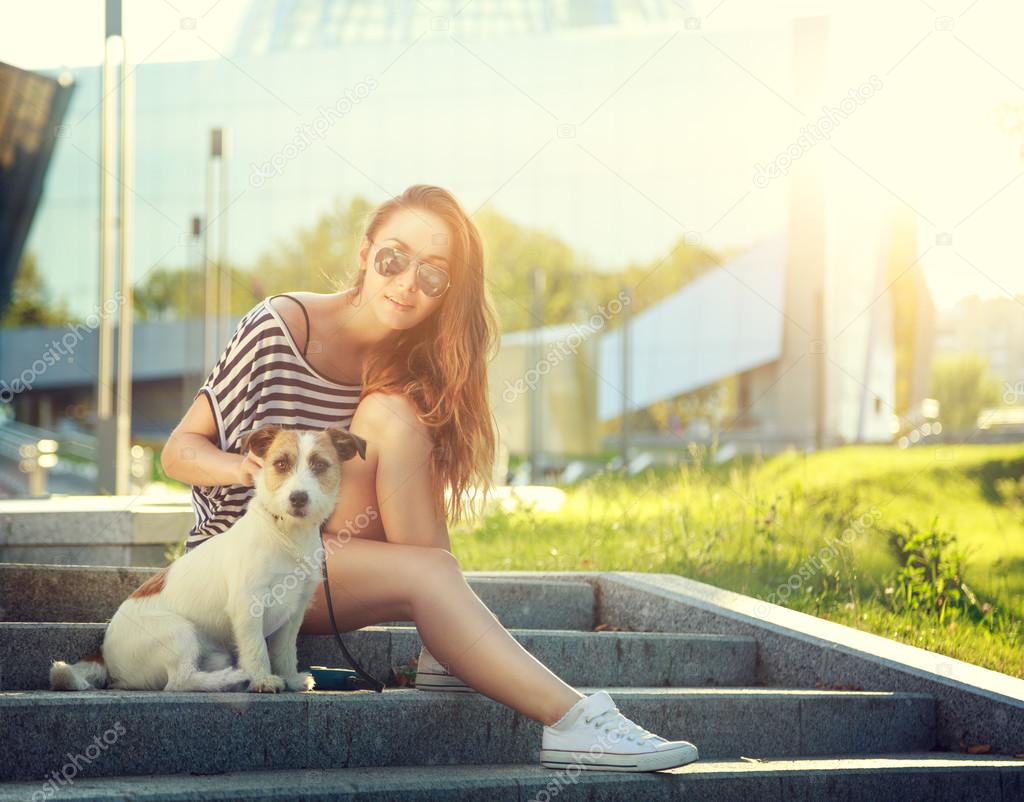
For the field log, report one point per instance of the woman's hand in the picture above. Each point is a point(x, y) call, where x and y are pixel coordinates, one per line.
point(247, 468)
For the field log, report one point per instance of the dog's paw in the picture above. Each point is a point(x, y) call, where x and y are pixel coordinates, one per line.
point(269, 683)
point(299, 682)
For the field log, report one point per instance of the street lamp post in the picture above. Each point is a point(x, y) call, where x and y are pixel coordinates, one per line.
point(113, 420)
point(217, 318)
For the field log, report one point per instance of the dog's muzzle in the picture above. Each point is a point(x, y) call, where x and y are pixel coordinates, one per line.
point(299, 499)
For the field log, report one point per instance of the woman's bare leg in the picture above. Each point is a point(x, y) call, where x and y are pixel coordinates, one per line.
point(373, 581)
point(376, 577)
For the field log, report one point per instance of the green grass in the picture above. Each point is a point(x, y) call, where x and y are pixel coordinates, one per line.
point(752, 525)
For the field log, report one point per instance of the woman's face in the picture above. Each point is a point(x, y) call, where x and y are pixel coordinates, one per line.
point(398, 300)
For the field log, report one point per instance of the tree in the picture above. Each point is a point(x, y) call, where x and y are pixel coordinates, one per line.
point(319, 258)
point(574, 289)
point(31, 303)
point(162, 295)
point(511, 253)
point(170, 293)
point(323, 257)
point(963, 386)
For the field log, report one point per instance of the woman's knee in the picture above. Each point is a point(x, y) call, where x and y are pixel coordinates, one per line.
point(436, 570)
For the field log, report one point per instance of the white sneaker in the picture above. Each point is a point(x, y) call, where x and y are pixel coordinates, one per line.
point(594, 735)
point(432, 676)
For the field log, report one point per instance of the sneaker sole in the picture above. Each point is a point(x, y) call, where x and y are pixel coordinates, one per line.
point(650, 761)
point(441, 682)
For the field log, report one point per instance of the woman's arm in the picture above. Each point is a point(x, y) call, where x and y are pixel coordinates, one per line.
point(192, 453)
point(191, 456)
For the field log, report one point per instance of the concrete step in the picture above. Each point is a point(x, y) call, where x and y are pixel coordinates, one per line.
point(661, 659)
point(890, 778)
point(153, 732)
point(34, 592)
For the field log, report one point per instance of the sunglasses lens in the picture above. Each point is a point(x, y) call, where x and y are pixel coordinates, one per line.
point(389, 262)
point(432, 281)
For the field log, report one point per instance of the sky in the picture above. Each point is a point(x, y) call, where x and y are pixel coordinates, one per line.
point(929, 139)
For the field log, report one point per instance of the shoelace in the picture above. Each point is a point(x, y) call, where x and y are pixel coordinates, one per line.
point(612, 714)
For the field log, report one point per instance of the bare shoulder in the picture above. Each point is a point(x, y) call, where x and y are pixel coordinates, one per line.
point(291, 313)
point(380, 408)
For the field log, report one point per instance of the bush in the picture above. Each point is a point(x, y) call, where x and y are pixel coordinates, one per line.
point(930, 576)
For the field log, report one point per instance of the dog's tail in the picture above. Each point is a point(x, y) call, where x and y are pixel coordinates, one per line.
point(225, 679)
point(88, 673)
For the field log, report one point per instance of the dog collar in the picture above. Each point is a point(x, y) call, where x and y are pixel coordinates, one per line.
point(277, 519)
point(280, 536)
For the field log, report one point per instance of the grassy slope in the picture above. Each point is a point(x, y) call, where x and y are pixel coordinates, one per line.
point(750, 526)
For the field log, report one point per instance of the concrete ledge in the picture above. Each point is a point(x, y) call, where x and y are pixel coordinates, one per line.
point(800, 650)
point(93, 530)
point(884, 778)
point(136, 530)
point(796, 649)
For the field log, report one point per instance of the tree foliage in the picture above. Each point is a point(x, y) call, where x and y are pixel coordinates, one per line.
point(963, 386)
point(31, 301)
point(322, 256)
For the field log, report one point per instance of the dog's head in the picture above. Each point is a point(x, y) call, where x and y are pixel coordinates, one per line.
point(301, 472)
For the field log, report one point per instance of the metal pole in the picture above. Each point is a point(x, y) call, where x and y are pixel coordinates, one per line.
point(536, 393)
point(105, 429)
point(124, 342)
point(210, 306)
point(222, 245)
point(193, 340)
point(819, 371)
point(627, 380)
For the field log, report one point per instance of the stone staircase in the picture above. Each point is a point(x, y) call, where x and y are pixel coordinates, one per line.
point(756, 742)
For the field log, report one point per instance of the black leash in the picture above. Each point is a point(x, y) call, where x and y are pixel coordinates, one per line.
point(378, 686)
point(376, 683)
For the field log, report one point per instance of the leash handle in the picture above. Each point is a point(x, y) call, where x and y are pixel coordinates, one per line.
point(378, 686)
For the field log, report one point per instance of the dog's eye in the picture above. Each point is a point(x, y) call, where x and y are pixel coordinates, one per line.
point(281, 464)
point(318, 465)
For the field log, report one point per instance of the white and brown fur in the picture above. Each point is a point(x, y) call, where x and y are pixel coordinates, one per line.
point(198, 624)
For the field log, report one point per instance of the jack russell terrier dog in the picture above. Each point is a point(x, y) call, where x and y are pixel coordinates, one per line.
point(184, 628)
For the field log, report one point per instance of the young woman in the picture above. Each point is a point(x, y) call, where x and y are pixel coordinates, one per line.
point(399, 358)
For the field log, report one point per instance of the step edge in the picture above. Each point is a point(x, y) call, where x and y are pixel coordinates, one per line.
point(498, 774)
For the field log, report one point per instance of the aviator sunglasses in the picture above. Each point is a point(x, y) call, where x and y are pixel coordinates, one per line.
point(389, 261)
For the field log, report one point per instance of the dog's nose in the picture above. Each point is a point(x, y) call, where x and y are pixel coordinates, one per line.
point(298, 498)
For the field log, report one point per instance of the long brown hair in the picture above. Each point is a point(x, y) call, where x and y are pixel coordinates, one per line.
point(441, 363)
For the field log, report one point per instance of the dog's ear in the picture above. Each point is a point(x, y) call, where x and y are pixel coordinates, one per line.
point(258, 440)
point(347, 444)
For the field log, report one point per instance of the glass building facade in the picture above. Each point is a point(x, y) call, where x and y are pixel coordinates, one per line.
point(603, 123)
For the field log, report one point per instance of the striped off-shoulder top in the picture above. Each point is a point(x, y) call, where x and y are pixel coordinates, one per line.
point(262, 378)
